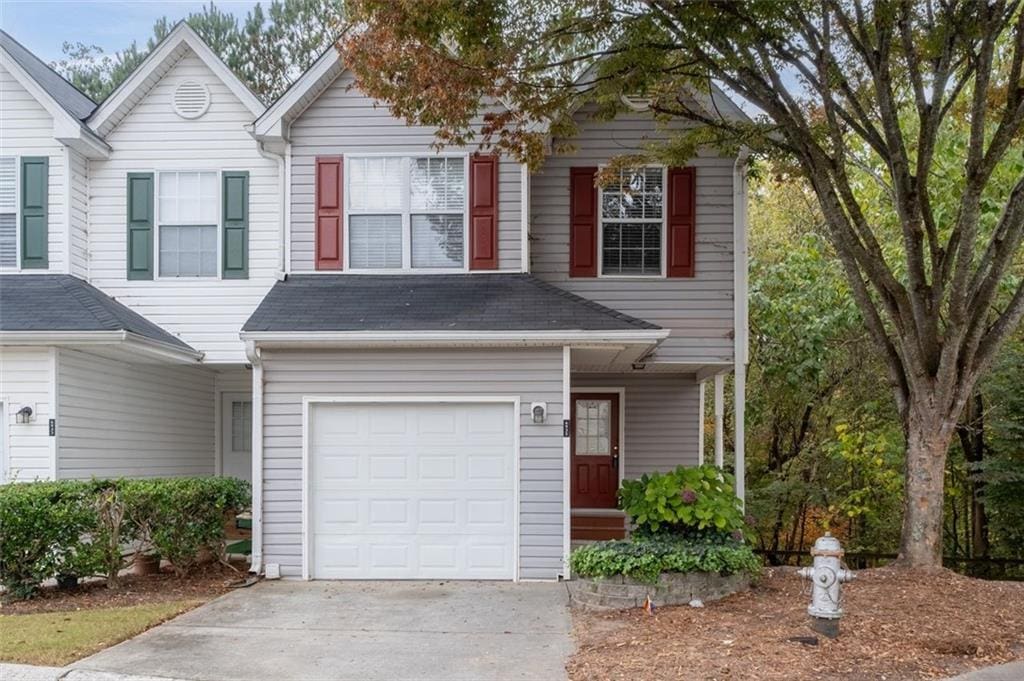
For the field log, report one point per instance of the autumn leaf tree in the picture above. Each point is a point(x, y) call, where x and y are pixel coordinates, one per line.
point(839, 90)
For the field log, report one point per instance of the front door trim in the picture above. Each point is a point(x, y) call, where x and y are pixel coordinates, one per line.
point(308, 401)
point(587, 390)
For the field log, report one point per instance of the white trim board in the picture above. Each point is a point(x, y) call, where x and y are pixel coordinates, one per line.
point(310, 400)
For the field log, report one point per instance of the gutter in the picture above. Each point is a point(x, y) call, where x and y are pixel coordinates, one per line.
point(468, 338)
point(132, 341)
point(253, 354)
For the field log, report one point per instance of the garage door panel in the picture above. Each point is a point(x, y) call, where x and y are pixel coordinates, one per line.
point(412, 491)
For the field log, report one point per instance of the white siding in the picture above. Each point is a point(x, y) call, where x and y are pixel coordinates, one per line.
point(699, 311)
point(79, 202)
point(26, 379)
point(662, 417)
point(205, 314)
point(117, 418)
point(533, 374)
point(343, 121)
point(26, 129)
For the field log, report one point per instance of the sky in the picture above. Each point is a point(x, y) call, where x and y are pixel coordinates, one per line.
point(44, 25)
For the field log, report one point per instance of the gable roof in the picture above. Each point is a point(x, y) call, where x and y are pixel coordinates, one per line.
point(71, 99)
point(300, 94)
point(61, 302)
point(431, 302)
point(160, 60)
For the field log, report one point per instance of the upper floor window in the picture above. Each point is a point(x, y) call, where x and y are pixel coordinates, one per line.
point(8, 211)
point(406, 212)
point(632, 223)
point(188, 210)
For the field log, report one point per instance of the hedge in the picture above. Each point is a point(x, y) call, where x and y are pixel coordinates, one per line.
point(646, 559)
point(85, 528)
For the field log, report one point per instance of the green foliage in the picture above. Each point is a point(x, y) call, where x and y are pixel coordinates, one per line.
point(689, 501)
point(646, 559)
point(69, 527)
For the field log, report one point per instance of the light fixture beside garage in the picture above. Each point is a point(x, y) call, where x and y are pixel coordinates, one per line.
point(24, 415)
point(539, 411)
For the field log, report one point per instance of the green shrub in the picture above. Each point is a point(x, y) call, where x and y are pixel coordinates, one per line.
point(68, 527)
point(695, 502)
point(646, 559)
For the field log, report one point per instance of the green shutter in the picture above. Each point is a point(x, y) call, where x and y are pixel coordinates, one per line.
point(35, 188)
point(140, 226)
point(236, 225)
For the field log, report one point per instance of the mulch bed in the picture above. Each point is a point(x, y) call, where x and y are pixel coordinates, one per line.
point(206, 582)
point(899, 624)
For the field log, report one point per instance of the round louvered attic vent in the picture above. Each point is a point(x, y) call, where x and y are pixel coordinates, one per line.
point(191, 99)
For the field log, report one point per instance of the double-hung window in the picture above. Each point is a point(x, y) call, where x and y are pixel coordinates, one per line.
point(188, 220)
point(632, 223)
point(406, 212)
point(8, 211)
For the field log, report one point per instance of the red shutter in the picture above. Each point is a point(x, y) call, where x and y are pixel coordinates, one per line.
point(682, 211)
point(483, 212)
point(328, 212)
point(582, 222)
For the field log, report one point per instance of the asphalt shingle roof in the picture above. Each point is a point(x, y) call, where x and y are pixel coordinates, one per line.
point(61, 302)
point(431, 302)
point(64, 93)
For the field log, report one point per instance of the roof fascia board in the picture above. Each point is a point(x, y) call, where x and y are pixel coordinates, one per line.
point(480, 338)
point(127, 339)
point(182, 33)
point(271, 123)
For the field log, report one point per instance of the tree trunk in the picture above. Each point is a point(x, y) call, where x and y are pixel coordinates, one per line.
point(927, 444)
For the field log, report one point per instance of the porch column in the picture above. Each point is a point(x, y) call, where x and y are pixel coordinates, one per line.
point(700, 424)
point(740, 401)
point(719, 420)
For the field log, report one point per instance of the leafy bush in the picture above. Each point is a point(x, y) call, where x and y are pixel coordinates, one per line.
point(646, 559)
point(695, 502)
point(49, 529)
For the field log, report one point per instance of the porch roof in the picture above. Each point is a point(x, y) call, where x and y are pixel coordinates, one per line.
point(431, 302)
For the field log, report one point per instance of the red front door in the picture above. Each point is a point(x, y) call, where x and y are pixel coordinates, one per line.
point(595, 450)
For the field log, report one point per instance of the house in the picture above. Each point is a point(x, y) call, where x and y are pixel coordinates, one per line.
point(429, 364)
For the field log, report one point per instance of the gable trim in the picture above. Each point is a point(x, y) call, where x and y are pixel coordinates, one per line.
point(272, 122)
point(180, 34)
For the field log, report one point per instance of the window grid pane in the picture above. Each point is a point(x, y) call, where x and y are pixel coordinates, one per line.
point(639, 195)
point(593, 427)
point(375, 184)
point(188, 251)
point(437, 241)
point(241, 426)
point(438, 184)
point(375, 242)
point(188, 205)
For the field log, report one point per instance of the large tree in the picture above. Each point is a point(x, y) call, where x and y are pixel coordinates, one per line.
point(844, 91)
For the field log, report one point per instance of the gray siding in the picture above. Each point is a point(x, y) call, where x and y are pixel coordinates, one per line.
point(116, 418)
point(342, 121)
point(699, 311)
point(662, 419)
point(534, 374)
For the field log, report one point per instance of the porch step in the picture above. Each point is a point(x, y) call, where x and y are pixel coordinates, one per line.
point(597, 527)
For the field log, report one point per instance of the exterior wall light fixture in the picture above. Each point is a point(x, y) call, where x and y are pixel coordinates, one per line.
point(24, 415)
point(539, 411)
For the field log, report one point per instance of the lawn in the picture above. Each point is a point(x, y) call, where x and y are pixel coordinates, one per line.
point(898, 625)
point(58, 638)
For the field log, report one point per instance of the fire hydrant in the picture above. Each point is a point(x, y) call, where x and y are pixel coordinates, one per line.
point(826, 575)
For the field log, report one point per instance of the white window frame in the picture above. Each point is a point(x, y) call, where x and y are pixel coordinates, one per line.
point(17, 215)
point(406, 214)
point(156, 222)
point(651, 221)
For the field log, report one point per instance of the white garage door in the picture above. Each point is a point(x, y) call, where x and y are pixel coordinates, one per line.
point(412, 491)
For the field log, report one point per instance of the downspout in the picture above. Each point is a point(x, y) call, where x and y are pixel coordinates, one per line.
point(741, 333)
point(283, 187)
point(253, 354)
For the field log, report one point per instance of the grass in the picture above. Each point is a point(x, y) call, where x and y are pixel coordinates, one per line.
point(59, 638)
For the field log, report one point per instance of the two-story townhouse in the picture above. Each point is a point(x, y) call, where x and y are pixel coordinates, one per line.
point(457, 360)
point(136, 236)
point(465, 359)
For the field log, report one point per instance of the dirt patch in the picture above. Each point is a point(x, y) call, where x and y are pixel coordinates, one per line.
point(898, 625)
point(207, 582)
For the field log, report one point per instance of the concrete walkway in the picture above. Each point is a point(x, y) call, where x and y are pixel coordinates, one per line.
point(1014, 671)
point(356, 630)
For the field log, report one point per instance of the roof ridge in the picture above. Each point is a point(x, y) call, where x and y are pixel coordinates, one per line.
point(592, 304)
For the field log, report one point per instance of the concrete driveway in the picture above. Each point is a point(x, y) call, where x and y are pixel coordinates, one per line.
point(358, 630)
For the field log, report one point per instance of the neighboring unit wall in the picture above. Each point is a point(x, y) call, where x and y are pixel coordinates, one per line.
point(207, 314)
point(27, 380)
point(79, 203)
point(345, 121)
point(662, 418)
point(117, 418)
point(533, 374)
point(698, 310)
point(26, 129)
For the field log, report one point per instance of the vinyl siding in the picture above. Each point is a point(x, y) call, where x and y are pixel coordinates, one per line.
point(533, 374)
point(662, 419)
point(343, 121)
point(698, 311)
point(26, 129)
point(117, 418)
point(207, 314)
point(79, 202)
point(26, 379)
